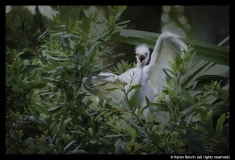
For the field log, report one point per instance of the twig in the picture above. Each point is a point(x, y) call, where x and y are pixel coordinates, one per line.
point(17, 37)
point(68, 107)
point(146, 130)
point(102, 143)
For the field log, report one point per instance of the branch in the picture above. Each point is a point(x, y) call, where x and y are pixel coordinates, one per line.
point(68, 107)
point(146, 130)
point(103, 143)
point(16, 37)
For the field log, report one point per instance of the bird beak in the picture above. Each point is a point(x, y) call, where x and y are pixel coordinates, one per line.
point(141, 57)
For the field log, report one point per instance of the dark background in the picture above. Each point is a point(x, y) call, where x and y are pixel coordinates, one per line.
point(208, 23)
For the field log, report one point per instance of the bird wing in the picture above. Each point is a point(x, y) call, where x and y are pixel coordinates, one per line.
point(98, 84)
point(109, 77)
point(124, 77)
point(98, 87)
point(165, 49)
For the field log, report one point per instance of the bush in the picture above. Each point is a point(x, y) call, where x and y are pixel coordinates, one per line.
point(45, 108)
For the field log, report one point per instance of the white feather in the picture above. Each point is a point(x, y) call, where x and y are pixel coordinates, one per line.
point(142, 49)
point(152, 78)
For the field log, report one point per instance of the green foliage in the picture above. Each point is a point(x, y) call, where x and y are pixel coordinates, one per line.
point(122, 67)
point(43, 90)
point(205, 51)
point(46, 111)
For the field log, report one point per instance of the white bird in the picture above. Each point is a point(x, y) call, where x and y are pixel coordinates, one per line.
point(150, 76)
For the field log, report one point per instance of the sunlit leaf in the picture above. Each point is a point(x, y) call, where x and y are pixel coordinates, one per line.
point(67, 121)
point(118, 147)
point(220, 122)
point(110, 89)
point(55, 109)
point(138, 86)
point(69, 145)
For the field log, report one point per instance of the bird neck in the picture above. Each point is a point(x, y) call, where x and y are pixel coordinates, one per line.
point(138, 76)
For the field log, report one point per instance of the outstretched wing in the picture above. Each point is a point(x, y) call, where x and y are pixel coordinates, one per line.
point(124, 77)
point(165, 49)
point(100, 85)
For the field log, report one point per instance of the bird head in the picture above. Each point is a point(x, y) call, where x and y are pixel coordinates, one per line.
point(142, 54)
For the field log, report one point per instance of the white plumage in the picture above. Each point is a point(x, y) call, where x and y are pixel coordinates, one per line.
point(150, 76)
point(142, 49)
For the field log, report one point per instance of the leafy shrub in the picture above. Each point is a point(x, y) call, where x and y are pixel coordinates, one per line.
point(45, 108)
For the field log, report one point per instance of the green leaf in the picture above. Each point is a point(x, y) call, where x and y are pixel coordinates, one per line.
point(55, 109)
point(67, 121)
point(13, 44)
point(117, 102)
point(155, 138)
point(196, 72)
point(54, 58)
point(103, 151)
point(132, 102)
point(118, 147)
point(43, 34)
point(203, 113)
point(119, 126)
point(86, 71)
point(219, 111)
point(32, 131)
point(224, 94)
point(110, 89)
point(188, 119)
point(81, 50)
point(77, 152)
point(186, 111)
point(187, 97)
point(115, 135)
point(17, 20)
point(120, 54)
point(39, 121)
point(210, 127)
point(67, 76)
point(124, 124)
point(93, 47)
point(132, 131)
point(69, 145)
point(40, 85)
point(100, 115)
point(194, 144)
point(178, 60)
point(30, 68)
point(27, 55)
point(218, 70)
point(138, 86)
point(32, 146)
point(173, 66)
point(205, 51)
point(222, 145)
point(195, 132)
point(42, 109)
point(220, 122)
